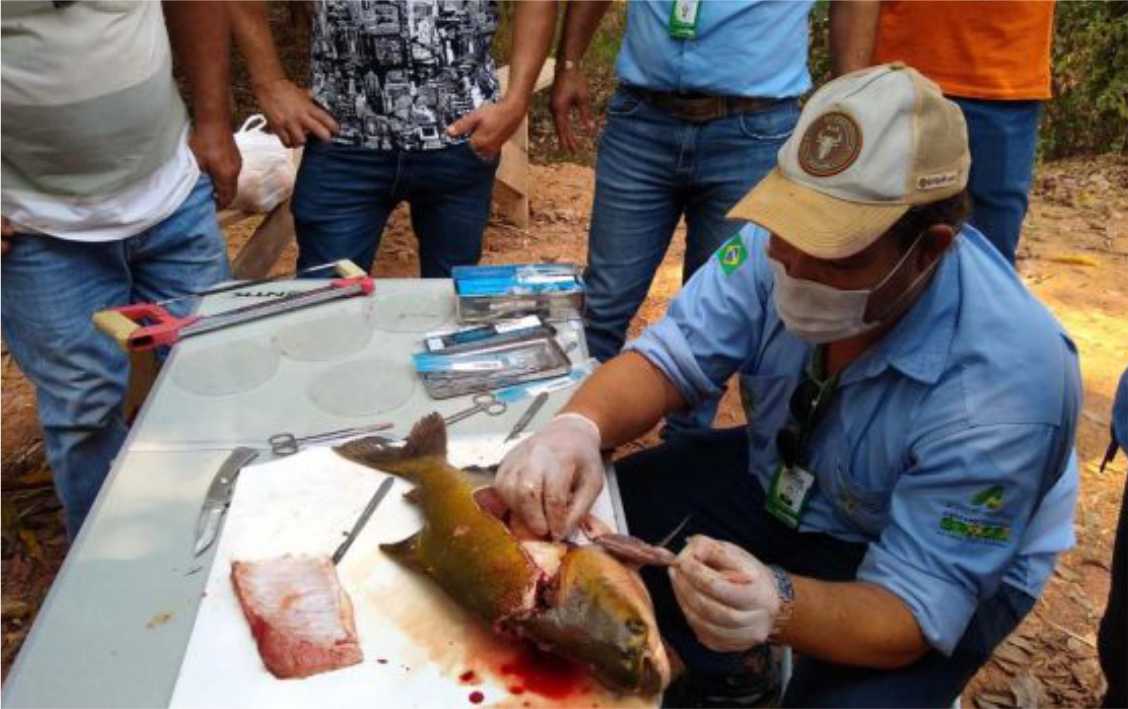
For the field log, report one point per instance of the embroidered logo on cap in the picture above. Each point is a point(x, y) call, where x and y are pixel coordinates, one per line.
point(942, 179)
point(830, 145)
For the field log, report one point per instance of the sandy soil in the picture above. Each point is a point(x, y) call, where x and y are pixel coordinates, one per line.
point(1074, 255)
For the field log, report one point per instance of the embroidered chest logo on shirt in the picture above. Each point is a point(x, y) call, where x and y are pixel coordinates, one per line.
point(830, 144)
point(732, 254)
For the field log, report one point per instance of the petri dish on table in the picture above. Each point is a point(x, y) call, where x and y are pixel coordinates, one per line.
point(413, 312)
point(226, 368)
point(363, 387)
point(338, 335)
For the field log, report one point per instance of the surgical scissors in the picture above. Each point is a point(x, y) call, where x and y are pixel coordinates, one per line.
point(484, 402)
point(287, 444)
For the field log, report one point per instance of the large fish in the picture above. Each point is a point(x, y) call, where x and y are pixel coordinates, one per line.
point(575, 601)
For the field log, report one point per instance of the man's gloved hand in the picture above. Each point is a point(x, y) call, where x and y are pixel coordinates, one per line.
point(729, 597)
point(552, 479)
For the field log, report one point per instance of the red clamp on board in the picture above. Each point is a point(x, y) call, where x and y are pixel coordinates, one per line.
point(157, 325)
point(367, 285)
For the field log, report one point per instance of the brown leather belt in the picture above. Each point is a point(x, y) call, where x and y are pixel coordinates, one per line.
point(701, 108)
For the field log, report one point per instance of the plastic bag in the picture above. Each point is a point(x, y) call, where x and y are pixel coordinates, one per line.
point(268, 173)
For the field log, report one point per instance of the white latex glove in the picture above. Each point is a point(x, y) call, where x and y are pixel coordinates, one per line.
point(552, 479)
point(728, 596)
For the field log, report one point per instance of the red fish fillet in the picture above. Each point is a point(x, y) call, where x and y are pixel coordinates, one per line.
point(300, 616)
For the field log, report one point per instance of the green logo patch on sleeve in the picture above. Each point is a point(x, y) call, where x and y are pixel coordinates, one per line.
point(991, 498)
point(732, 254)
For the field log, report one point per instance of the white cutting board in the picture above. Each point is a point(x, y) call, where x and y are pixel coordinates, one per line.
point(417, 644)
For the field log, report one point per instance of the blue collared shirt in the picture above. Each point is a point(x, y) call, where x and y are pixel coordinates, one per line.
point(741, 48)
point(939, 440)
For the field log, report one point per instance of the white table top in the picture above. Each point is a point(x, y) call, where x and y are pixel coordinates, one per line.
point(115, 625)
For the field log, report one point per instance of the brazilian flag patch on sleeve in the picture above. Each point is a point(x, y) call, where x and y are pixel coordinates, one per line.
point(732, 254)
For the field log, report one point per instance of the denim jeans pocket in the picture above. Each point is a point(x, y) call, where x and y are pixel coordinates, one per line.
point(477, 157)
point(623, 103)
point(773, 124)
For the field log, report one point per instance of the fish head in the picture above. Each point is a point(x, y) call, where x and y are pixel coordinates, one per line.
point(597, 612)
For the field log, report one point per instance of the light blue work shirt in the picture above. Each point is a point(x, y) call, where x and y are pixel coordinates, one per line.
point(742, 48)
point(938, 439)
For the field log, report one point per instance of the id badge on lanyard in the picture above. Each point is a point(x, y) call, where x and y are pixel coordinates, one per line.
point(683, 19)
point(791, 490)
point(792, 483)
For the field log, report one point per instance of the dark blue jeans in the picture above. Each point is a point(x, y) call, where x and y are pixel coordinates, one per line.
point(704, 474)
point(1003, 136)
point(344, 194)
point(651, 170)
point(53, 287)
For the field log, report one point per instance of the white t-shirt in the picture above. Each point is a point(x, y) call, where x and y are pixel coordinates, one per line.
point(130, 211)
point(95, 134)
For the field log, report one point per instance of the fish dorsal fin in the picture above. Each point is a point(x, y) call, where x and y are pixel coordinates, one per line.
point(428, 437)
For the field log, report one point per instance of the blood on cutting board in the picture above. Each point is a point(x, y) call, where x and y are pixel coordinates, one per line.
point(546, 674)
point(476, 697)
point(517, 666)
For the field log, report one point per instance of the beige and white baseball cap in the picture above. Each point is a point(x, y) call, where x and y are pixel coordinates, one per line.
point(868, 146)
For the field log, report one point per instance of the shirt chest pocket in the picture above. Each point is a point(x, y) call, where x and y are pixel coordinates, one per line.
point(858, 504)
point(765, 402)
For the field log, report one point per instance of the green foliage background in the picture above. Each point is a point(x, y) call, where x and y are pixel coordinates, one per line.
point(1088, 114)
point(1089, 111)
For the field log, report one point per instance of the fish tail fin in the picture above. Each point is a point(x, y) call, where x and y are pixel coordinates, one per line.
point(427, 438)
point(405, 551)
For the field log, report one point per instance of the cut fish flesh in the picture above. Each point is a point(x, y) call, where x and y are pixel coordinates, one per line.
point(301, 618)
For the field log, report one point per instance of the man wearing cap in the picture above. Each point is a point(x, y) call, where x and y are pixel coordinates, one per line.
point(906, 477)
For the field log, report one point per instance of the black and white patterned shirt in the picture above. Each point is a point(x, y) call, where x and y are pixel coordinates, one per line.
point(396, 73)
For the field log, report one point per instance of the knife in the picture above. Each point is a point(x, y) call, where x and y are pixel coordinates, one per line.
point(219, 497)
point(527, 416)
point(363, 519)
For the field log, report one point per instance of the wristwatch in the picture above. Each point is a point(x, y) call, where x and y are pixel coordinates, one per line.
point(786, 599)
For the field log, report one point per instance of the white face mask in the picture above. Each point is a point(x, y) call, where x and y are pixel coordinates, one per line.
point(819, 313)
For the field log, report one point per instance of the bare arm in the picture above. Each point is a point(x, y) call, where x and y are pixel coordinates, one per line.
point(489, 126)
point(853, 27)
point(533, 26)
point(625, 397)
point(200, 37)
point(289, 110)
point(569, 89)
point(581, 18)
point(872, 626)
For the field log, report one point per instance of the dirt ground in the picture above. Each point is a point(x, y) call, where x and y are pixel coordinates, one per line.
point(1074, 255)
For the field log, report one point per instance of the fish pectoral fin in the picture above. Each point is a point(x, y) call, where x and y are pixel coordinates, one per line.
point(406, 552)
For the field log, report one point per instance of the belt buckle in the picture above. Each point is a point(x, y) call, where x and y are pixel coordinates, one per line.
point(701, 110)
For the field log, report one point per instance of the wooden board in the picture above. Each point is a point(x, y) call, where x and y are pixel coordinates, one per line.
point(418, 646)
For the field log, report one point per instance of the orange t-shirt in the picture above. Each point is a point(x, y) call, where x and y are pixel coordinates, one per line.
point(982, 49)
